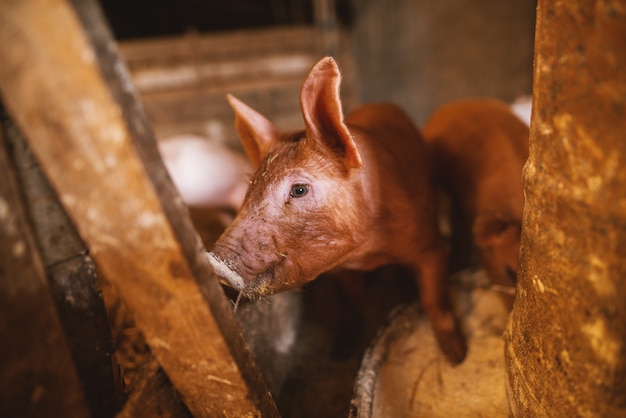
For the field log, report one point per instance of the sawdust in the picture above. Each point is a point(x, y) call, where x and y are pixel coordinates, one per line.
point(408, 376)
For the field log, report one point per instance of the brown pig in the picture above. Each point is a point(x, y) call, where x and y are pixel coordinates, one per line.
point(341, 194)
point(479, 147)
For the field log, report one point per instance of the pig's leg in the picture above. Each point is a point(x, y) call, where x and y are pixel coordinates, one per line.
point(460, 240)
point(351, 317)
point(432, 282)
point(352, 286)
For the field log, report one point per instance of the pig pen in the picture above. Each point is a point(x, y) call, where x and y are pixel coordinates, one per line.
point(124, 223)
point(129, 254)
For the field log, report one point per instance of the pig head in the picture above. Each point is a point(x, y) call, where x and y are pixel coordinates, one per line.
point(497, 239)
point(300, 216)
point(341, 194)
point(479, 147)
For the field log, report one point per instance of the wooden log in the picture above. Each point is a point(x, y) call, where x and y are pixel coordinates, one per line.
point(68, 90)
point(566, 339)
point(37, 376)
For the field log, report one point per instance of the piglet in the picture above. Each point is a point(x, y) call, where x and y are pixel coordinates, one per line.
point(479, 148)
point(341, 194)
point(522, 106)
point(206, 173)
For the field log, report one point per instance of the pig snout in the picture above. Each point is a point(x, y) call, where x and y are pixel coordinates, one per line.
point(246, 280)
point(249, 272)
point(227, 271)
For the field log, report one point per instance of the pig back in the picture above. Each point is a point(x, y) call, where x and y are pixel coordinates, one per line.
point(478, 148)
point(396, 179)
point(388, 131)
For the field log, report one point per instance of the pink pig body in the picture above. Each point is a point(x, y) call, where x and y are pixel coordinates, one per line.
point(479, 147)
point(206, 173)
point(351, 194)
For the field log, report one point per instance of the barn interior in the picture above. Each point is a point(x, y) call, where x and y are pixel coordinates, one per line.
point(417, 54)
point(126, 349)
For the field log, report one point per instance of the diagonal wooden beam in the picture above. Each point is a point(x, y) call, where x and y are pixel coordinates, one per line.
point(65, 85)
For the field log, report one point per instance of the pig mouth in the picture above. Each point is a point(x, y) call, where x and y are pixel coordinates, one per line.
point(228, 272)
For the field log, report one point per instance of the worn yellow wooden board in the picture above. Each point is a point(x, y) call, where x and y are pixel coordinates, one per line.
point(64, 84)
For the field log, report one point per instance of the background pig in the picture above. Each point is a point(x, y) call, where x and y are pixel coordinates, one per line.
point(479, 147)
point(206, 173)
point(350, 194)
point(522, 106)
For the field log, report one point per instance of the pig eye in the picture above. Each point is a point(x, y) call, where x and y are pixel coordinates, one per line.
point(298, 190)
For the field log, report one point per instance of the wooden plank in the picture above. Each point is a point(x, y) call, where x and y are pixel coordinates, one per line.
point(183, 80)
point(147, 390)
point(37, 377)
point(72, 278)
point(70, 94)
point(267, 71)
point(207, 113)
point(199, 103)
point(153, 396)
point(217, 46)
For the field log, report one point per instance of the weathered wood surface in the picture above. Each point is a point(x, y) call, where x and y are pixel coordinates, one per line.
point(218, 62)
point(68, 90)
point(566, 340)
point(72, 279)
point(37, 376)
point(153, 396)
point(183, 80)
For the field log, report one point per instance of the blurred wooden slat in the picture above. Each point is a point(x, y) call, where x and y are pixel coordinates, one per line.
point(37, 377)
point(65, 85)
point(183, 80)
point(72, 278)
point(153, 396)
point(265, 72)
point(216, 46)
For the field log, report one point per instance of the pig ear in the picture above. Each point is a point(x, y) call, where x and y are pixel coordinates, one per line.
point(492, 229)
point(258, 135)
point(323, 117)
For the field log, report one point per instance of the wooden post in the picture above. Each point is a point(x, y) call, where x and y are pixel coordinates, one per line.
point(65, 85)
point(566, 340)
point(72, 279)
point(37, 376)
